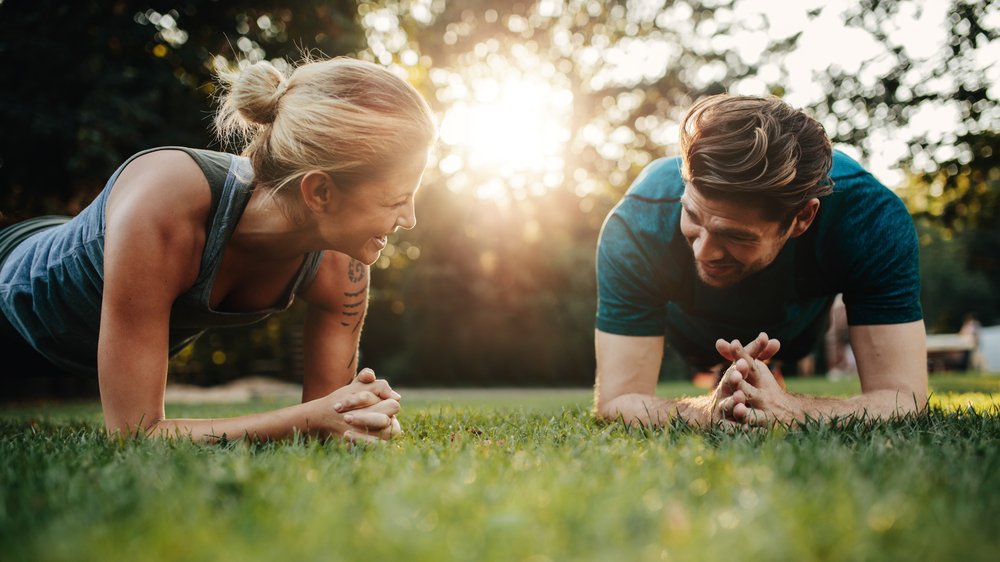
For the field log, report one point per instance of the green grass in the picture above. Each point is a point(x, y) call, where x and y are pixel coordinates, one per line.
point(516, 475)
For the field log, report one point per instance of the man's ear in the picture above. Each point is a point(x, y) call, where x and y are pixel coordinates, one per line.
point(317, 190)
point(805, 217)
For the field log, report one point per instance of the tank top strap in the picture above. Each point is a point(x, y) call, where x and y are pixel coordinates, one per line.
point(215, 166)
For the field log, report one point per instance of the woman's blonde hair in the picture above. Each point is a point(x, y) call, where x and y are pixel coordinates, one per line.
point(354, 120)
point(756, 150)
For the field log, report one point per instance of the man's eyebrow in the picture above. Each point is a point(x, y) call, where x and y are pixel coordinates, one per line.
point(737, 233)
point(687, 210)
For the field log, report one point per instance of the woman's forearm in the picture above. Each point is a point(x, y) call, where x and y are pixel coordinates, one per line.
point(284, 423)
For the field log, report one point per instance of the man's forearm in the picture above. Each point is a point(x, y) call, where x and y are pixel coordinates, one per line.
point(651, 411)
point(878, 404)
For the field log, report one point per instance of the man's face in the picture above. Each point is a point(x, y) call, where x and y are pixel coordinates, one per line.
point(729, 241)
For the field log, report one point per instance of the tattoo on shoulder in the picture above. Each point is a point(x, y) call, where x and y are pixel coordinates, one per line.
point(356, 271)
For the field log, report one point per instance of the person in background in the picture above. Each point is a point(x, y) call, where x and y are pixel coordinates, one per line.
point(181, 240)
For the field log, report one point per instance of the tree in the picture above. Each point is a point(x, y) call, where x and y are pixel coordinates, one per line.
point(572, 98)
point(94, 82)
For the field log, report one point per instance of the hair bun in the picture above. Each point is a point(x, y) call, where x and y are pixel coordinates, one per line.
point(256, 92)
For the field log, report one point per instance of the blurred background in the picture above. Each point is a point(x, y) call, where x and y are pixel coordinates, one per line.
point(548, 110)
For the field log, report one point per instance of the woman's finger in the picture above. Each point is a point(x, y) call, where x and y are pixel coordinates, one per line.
point(381, 387)
point(356, 400)
point(388, 407)
point(375, 421)
point(365, 376)
point(392, 431)
point(360, 437)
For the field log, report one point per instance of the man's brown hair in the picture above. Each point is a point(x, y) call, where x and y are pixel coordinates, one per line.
point(756, 151)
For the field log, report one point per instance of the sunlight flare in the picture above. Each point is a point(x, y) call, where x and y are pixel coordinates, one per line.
point(514, 130)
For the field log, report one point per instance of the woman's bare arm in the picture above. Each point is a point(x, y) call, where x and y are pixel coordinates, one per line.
point(337, 302)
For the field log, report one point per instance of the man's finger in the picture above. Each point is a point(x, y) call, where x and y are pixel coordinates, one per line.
point(724, 349)
point(758, 418)
point(756, 345)
point(769, 351)
point(761, 348)
point(749, 392)
point(741, 413)
point(752, 369)
point(731, 427)
point(722, 409)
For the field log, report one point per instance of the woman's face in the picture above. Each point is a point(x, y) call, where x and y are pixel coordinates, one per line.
point(362, 218)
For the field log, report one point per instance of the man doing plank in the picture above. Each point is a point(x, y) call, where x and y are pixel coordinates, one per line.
point(748, 236)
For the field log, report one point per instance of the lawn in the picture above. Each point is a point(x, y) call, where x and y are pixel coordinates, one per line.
point(513, 475)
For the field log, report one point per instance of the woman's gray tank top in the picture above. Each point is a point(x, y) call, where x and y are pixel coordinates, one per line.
point(51, 284)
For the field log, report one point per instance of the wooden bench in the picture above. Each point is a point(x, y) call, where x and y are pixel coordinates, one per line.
point(950, 352)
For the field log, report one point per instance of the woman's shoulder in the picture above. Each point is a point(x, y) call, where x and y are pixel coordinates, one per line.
point(165, 184)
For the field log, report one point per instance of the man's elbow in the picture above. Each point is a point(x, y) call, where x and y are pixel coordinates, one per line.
point(605, 408)
point(904, 400)
point(913, 400)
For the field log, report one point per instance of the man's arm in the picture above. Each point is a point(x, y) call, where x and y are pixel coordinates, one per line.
point(627, 370)
point(892, 366)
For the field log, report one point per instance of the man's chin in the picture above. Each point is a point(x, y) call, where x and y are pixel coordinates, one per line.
point(718, 281)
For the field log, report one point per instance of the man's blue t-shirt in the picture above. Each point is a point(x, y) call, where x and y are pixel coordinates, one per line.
point(862, 244)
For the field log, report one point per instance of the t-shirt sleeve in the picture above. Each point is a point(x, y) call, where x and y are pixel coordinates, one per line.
point(881, 250)
point(628, 300)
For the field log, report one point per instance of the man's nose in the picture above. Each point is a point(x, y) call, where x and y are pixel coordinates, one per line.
point(707, 248)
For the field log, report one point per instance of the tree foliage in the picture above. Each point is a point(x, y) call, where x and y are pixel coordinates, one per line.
point(496, 284)
point(92, 82)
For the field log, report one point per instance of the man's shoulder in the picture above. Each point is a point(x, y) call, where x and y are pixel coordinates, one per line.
point(649, 209)
point(855, 189)
point(659, 182)
point(845, 167)
point(860, 211)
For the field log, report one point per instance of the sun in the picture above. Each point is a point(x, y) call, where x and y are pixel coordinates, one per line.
point(505, 136)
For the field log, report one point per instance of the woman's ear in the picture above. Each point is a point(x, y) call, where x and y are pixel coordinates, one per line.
point(317, 190)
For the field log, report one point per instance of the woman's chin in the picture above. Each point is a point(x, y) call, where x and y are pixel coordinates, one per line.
point(366, 256)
